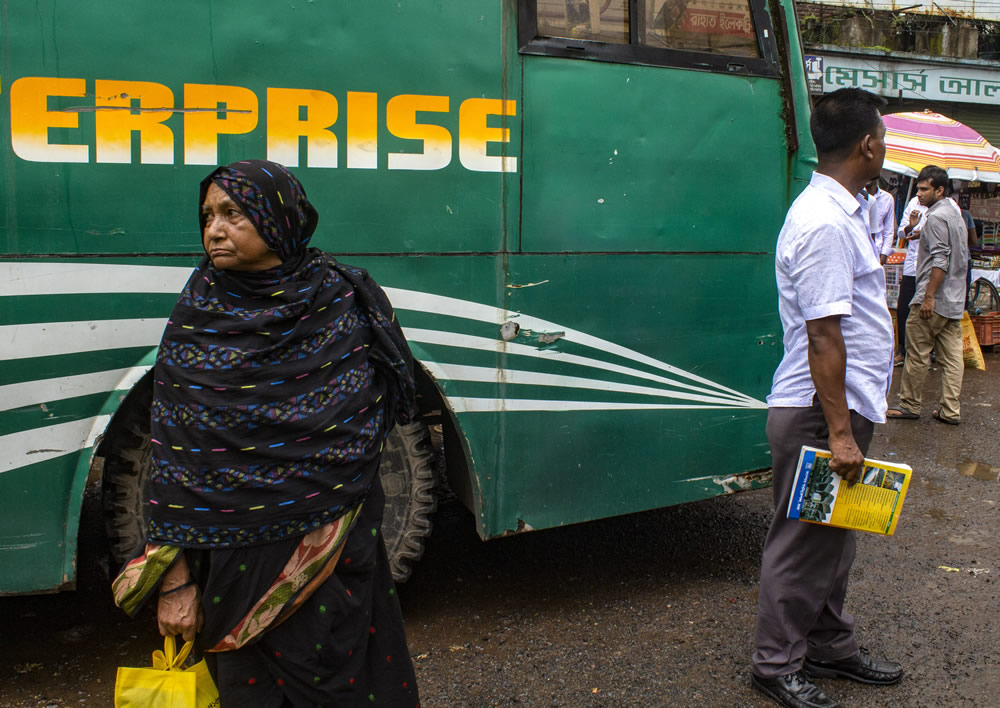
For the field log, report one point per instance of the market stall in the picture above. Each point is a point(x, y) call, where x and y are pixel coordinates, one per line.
point(916, 139)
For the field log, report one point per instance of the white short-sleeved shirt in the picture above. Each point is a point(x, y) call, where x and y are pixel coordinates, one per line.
point(867, 204)
point(912, 247)
point(881, 219)
point(825, 265)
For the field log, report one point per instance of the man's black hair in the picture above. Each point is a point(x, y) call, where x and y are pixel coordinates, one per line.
point(842, 118)
point(936, 176)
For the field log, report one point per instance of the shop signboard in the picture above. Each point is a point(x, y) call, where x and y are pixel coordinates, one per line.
point(978, 83)
point(814, 74)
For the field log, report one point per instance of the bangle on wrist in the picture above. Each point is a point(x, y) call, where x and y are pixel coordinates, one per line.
point(177, 588)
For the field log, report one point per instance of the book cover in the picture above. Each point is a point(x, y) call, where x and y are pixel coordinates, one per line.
point(821, 496)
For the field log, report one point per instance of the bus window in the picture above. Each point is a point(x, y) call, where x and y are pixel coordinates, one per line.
point(600, 20)
point(727, 36)
point(716, 26)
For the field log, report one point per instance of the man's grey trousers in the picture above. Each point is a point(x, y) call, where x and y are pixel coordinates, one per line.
point(803, 575)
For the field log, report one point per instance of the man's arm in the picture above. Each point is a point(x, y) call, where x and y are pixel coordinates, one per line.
point(939, 248)
point(828, 367)
point(886, 230)
point(908, 222)
point(927, 305)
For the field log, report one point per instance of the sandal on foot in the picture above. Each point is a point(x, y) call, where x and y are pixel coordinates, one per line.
point(900, 414)
point(950, 421)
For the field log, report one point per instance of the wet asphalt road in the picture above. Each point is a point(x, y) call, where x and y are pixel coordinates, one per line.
point(653, 609)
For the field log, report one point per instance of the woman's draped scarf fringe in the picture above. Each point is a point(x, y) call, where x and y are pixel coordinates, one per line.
point(312, 562)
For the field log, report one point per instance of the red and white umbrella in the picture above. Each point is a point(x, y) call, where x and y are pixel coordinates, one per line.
point(914, 140)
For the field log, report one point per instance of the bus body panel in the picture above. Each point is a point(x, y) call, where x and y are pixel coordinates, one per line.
point(581, 253)
point(642, 151)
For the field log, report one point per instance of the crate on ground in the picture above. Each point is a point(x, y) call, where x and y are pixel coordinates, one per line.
point(987, 328)
point(893, 276)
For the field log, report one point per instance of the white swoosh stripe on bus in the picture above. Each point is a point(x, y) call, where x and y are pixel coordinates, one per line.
point(21, 278)
point(33, 393)
point(27, 341)
point(24, 448)
point(468, 341)
point(458, 372)
point(439, 304)
point(497, 405)
point(66, 278)
point(76, 337)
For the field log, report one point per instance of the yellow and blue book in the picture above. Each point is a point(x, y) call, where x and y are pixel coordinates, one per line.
point(821, 496)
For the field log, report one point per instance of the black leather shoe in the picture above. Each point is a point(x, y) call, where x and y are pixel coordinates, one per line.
point(793, 690)
point(860, 667)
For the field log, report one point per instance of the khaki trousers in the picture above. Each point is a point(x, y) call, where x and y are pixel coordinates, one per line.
point(944, 336)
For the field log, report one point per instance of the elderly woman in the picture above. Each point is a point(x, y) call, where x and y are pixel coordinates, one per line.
point(280, 373)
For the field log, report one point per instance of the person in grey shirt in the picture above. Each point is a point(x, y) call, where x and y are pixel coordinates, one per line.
point(935, 319)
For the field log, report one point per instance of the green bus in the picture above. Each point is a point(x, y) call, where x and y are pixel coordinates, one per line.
point(572, 205)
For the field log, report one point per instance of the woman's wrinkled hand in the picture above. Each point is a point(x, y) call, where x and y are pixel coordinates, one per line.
point(180, 612)
point(179, 609)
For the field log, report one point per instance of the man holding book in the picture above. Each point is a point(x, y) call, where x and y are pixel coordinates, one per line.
point(828, 392)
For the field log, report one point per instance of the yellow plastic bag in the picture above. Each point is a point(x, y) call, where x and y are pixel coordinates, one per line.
point(167, 684)
point(971, 352)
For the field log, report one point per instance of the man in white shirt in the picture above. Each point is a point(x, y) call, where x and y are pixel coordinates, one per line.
point(828, 391)
point(910, 225)
point(881, 219)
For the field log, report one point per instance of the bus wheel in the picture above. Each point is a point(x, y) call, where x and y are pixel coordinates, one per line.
point(407, 474)
point(125, 492)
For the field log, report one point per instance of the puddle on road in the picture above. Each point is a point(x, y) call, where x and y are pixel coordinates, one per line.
point(979, 470)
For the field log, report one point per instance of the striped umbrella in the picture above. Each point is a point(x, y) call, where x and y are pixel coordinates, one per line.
point(913, 140)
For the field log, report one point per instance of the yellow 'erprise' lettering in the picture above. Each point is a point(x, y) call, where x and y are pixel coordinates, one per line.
point(124, 108)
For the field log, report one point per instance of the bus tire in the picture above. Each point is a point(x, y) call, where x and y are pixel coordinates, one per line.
point(407, 474)
point(125, 492)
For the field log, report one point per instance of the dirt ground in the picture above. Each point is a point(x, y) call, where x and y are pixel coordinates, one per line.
point(652, 609)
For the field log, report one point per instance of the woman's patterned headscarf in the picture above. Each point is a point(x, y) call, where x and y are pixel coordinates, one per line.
point(275, 389)
point(274, 201)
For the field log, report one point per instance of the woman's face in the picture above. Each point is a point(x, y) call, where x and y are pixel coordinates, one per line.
point(230, 238)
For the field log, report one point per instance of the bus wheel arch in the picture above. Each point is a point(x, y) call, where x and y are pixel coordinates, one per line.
point(411, 468)
point(126, 451)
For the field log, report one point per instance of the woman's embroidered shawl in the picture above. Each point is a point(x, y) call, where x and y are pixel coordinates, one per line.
point(274, 390)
